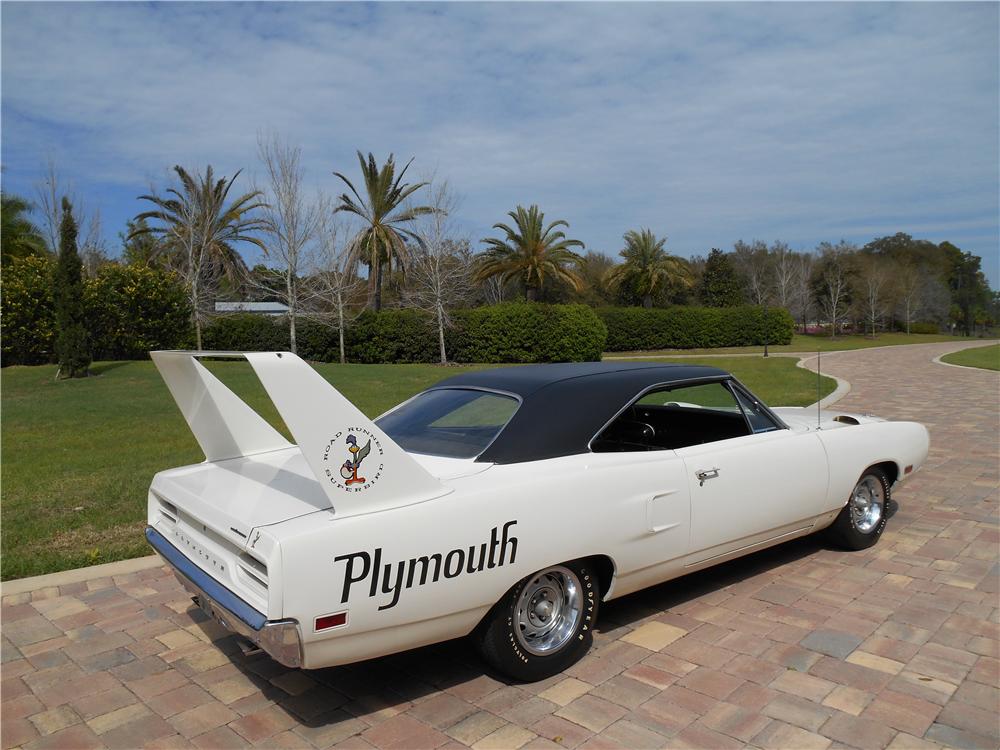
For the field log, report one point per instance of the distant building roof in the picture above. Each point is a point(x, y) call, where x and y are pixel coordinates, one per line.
point(261, 308)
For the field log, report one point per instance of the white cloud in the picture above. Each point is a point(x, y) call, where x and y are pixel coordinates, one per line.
point(707, 122)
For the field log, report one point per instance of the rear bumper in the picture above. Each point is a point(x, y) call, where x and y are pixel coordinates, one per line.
point(279, 638)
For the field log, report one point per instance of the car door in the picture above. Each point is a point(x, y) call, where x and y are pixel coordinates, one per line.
point(750, 482)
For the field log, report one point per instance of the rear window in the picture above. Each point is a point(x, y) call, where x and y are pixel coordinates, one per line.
point(450, 422)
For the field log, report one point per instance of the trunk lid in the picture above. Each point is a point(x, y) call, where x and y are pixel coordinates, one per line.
point(239, 494)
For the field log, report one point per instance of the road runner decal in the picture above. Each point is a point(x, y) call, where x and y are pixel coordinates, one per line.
point(347, 476)
point(392, 578)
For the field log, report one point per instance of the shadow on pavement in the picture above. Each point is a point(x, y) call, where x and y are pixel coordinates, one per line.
point(342, 694)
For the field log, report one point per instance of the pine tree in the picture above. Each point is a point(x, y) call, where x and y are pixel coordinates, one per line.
point(72, 339)
point(720, 284)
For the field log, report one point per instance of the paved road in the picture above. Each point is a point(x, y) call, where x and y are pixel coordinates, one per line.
point(797, 647)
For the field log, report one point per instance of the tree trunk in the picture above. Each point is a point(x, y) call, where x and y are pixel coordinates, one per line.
point(292, 294)
point(340, 326)
point(440, 322)
point(378, 287)
point(647, 301)
point(196, 312)
point(530, 293)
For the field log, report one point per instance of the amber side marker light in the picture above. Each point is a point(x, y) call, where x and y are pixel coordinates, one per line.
point(326, 622)
point(908, 469)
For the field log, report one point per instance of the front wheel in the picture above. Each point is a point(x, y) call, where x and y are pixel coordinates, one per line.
point(862, 520)
point(544, 623)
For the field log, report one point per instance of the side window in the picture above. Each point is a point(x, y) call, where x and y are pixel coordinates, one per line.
point(759, 419)
point(675, 417)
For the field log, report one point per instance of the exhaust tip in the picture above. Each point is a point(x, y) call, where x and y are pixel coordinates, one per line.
point(248, 648)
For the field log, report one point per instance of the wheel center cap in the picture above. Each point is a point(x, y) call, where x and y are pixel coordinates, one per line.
point(543, 610)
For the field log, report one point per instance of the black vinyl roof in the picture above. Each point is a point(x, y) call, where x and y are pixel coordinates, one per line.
point(564, 405)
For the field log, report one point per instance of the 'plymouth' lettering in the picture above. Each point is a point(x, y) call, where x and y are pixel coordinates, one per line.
point(393, 578)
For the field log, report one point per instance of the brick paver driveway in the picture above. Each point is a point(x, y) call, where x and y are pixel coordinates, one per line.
point(797, 647)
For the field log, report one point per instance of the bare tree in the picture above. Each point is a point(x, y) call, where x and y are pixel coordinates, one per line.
point(784, 273)
point(334, 282)
point(801, 299)
point(754, 263)
point(49, 192)
point(93, 249)
point(872, 283)
point(440, 264)
point(49, 202)
point(494, 290)
point(909, 283)
point(831, 283)
point(292, 221)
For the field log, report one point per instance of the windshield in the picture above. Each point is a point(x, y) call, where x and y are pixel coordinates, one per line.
point(450, 422)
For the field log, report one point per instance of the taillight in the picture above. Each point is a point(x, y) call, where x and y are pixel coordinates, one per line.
point(326, 622)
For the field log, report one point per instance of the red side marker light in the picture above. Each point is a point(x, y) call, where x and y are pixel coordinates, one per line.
point(908, 469)
point(330, 621)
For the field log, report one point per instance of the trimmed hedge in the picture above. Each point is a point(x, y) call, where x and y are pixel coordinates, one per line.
point(131, 310)
point(641, 329)
point(27, 317)
point(514, 332)
point(526, 332)
point(128, 311)
point(244, 332)
point(391, 336)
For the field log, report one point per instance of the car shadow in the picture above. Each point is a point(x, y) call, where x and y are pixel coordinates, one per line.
point(323, 699)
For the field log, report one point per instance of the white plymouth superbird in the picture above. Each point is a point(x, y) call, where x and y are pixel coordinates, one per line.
point(505, 503)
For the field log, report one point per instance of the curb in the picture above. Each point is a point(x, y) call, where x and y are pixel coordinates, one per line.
point(937, 360)
point(842, 389)
point(76, 575)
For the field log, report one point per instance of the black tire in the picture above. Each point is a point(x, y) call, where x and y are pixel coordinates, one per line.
point(525, 654)
point(855, 529)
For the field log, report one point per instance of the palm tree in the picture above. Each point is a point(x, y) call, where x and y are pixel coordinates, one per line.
point(382, 239)
point(648, 268)
point(530, 253)
point(19, 237)
point(200, 231)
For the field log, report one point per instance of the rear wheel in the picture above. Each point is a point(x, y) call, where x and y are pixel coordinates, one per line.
point(544, 623)
point(862, 520)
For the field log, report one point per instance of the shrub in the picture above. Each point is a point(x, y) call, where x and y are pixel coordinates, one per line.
point(924, 328)
point(27, 317)
point(390, 336)
point(245, 332)
point(636, 328)
point(73, 345)
point(134, 309)
point(314, 341)
point(523, 332)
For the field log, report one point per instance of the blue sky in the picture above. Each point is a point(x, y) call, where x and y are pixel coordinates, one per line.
point(705, 122)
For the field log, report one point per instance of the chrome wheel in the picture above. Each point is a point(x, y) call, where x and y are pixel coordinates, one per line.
point(548, 611)
point(867, 504)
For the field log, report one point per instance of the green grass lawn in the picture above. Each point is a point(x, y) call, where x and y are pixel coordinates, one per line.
point(78, 456)
point(986, 357)
point(808, 343)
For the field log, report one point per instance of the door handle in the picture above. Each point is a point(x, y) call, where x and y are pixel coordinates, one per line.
point(705, 474)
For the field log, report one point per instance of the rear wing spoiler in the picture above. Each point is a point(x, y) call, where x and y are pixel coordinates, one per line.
point(359, 467)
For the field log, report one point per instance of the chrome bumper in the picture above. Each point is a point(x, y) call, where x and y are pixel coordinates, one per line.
point(279, 638)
